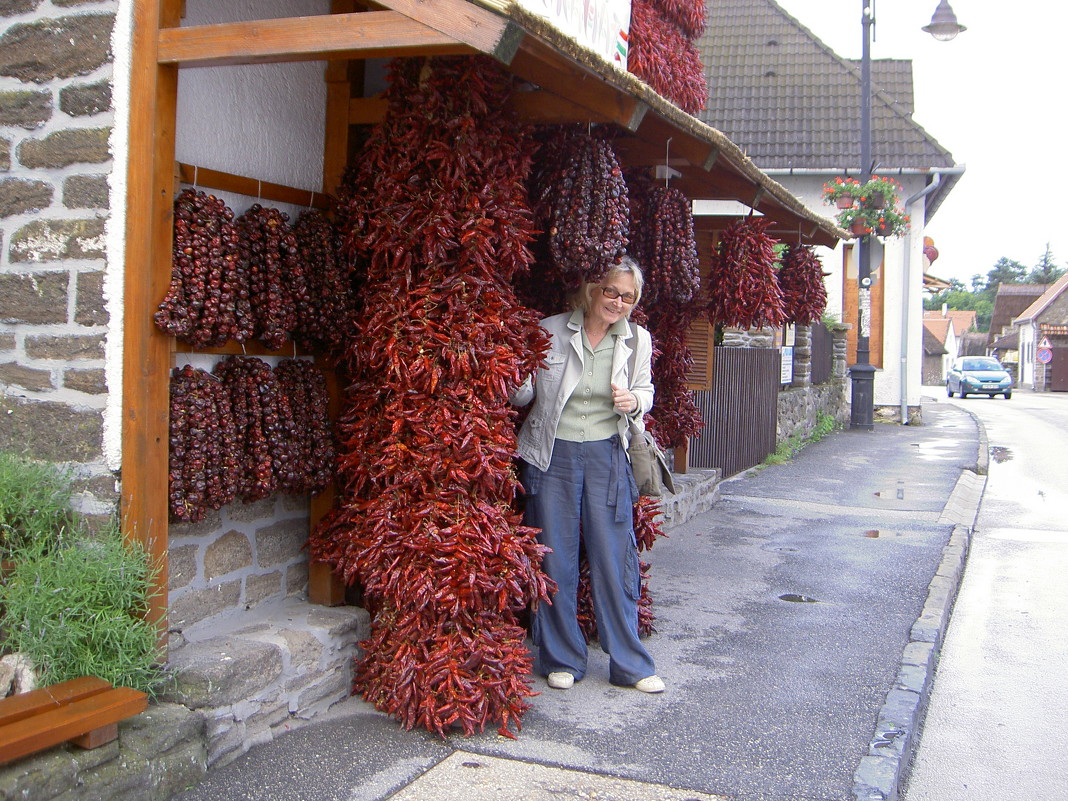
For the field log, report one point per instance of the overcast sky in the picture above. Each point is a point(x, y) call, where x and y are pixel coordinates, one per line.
point(995, 98)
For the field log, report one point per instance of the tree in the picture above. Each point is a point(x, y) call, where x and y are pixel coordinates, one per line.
point(1005, 271)
point(1046, 271)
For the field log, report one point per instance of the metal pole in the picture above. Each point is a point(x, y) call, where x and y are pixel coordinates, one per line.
point(862, 374)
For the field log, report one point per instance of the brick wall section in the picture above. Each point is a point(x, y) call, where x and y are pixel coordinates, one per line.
point(56, 117)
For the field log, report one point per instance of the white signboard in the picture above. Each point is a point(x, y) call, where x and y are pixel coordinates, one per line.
point(602, 26)
point(786, 366)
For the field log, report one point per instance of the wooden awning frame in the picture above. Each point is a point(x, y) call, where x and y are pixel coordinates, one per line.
point(564, 86)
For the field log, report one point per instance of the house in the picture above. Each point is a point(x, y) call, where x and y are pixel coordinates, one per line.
point(941, 332)
point(1010, 302)
point(1042, 329)
point(794, 103)
point(934, 358)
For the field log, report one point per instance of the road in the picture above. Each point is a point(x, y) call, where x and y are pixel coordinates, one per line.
point(995, 727)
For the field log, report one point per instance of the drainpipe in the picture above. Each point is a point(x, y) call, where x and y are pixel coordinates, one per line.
point(906, 284)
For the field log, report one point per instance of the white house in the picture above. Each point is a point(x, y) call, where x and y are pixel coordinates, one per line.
point(793, 103)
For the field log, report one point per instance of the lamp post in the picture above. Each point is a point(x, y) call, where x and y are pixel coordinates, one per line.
point(944, 26)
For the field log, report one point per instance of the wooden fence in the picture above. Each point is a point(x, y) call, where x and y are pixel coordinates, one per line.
point(740, 411)
point(822, 353)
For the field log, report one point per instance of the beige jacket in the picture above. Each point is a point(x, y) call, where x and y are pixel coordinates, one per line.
point(557, 380)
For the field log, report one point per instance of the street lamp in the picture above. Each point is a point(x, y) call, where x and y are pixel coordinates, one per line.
point(943, 27)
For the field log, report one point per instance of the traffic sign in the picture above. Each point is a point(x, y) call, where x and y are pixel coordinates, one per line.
point(1045, 355)
point(1045, 343)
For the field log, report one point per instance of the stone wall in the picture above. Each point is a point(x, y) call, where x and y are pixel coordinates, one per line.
point(236, 558)
point(55, 121)
point(802, 402)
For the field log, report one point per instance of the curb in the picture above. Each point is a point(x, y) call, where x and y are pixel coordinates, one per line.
point(880, 774)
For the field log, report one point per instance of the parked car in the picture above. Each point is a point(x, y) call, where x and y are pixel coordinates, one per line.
point(978, 375)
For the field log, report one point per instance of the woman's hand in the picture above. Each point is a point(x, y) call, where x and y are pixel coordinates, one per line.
point(624, 400)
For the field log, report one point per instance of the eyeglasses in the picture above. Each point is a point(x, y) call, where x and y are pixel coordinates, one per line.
point(612, 293)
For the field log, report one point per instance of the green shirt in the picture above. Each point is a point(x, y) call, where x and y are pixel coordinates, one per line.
point(589, 415)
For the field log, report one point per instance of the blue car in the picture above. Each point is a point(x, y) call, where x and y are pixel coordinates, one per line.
point(978, 375)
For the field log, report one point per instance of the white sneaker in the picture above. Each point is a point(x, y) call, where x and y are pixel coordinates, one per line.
point(561, 680)
point(650, 684)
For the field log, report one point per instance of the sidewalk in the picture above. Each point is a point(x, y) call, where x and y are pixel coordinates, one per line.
point(797, 623)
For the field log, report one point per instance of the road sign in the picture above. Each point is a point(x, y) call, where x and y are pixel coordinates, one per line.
point(1045, 343)
point(1045, 355)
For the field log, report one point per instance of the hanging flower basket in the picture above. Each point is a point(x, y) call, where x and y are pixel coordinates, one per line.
point(859, 227)
point(877, 200)
point(837, 190)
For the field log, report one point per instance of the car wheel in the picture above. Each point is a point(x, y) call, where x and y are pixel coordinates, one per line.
point(1008, 395)
point(963, 394)
point(948, 390)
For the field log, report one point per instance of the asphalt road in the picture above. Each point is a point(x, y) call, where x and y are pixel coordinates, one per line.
point(768, 699)
point(995, 726)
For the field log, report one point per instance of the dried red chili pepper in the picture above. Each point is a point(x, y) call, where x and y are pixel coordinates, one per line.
point(743, 289)
point(663, 56)
point(437, 211)
point(801, 282)
point(203, 468)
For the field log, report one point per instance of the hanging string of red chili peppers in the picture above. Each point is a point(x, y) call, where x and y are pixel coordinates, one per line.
point(269, 249)
point(204, 305)
point(664, 56)
point(582, 203)
point(322, 290)
point(687, 15)
point(801, 281)
point(743, 289)
point(304, 386)
point(203, 468)
point(426, 522)
point(666, 248)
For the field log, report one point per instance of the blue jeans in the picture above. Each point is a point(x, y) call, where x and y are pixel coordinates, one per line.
point(587, 495)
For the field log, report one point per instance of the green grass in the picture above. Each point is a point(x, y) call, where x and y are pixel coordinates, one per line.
point(73, 601)
point(79, 611)
point(34, 504)
point(793, 444)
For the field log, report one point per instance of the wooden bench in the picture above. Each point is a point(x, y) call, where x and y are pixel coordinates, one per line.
point(85, 711)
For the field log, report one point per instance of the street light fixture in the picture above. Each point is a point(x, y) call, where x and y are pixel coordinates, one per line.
point(943, 27)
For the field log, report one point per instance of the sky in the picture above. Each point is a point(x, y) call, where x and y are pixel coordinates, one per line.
point(995, 98)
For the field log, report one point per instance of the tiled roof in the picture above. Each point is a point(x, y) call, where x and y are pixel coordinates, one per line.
point(1040, 305)
point(790, 101)
point(938, 327)
point(1010, 301)
point(931, 344)
point(962, 320)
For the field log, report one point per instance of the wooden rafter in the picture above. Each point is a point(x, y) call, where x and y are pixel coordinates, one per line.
point(371, 34)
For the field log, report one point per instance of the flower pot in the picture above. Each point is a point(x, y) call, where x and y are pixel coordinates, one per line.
point(844, 201)
point(858, 228)
point(877, 200)
point(884, 230)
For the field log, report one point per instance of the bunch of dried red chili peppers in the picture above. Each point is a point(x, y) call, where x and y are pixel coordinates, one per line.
point(801, 281)
point(743, 288)
point(246, 431)
point(426, 523)
point(662, 52)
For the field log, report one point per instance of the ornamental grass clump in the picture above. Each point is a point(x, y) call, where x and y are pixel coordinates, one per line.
point(71, 601)
point(34, 504)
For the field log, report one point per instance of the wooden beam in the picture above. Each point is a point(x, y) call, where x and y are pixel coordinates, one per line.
point(537, 107)
point(251, 187)
point(146, 350)
point(542, 66)
point(371, 34)
point(461, 21)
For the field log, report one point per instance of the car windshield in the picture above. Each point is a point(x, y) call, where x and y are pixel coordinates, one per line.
point(981, 364)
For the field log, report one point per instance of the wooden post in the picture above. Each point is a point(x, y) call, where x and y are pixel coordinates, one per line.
point(146, 350)
point(326, 587)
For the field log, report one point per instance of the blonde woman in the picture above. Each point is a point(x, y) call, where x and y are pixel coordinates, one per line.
point(578, 481)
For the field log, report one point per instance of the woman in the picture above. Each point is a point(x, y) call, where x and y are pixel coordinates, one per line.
point(575, 472)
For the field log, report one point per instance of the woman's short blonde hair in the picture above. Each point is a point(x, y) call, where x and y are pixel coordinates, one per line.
point(582, 298)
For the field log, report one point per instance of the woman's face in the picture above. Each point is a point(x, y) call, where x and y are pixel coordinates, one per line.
point(609, 310)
